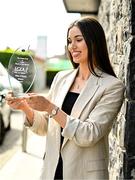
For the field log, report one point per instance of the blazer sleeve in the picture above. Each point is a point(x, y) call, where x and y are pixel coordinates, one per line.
point(40, 124)
point(99, 122)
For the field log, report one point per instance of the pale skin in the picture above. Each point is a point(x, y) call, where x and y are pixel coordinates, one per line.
point(79, 51)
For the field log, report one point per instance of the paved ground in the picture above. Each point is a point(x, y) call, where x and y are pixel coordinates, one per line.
point(15, 164)
point(13, 140)
point(21, 166)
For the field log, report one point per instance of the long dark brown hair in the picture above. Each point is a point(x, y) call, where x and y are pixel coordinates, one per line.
point(94, 37)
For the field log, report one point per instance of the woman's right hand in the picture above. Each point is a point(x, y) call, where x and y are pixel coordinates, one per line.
point(15, 102)
point(20, 104)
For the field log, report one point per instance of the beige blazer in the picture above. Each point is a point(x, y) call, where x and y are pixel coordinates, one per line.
point(85, 147)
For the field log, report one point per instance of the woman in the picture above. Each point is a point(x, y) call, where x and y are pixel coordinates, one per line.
point(80, 109)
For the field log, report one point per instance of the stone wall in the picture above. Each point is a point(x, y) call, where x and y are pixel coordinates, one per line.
point(118, 21)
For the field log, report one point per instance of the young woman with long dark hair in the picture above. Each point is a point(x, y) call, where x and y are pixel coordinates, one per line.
point(81, 106)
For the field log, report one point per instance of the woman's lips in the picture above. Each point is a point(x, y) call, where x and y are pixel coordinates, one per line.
point(75, 54)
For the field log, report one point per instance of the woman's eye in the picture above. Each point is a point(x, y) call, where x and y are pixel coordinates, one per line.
point(69, 41)
point(79, 40)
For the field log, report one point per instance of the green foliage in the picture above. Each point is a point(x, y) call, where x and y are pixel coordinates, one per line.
point(50, 76)
point(6, 54)
point(4, 58)
point(55, 65)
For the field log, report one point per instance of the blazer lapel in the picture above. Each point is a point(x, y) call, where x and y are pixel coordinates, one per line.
point(65, 86)
point(84, 97)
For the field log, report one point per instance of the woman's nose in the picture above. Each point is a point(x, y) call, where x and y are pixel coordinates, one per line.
point(73, 45)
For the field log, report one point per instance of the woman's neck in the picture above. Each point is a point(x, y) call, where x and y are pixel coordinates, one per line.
point(83, 73)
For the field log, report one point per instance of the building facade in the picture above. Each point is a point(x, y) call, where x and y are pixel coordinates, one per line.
point(118, 21)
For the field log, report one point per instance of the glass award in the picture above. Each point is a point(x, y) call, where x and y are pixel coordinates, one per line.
point(21, 69)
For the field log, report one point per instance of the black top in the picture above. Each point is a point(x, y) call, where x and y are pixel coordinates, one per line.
point(67, 108)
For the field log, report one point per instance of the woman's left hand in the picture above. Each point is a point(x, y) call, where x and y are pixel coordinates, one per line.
point(38, 102)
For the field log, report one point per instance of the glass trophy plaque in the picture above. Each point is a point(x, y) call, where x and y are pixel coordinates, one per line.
point(22, 69)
